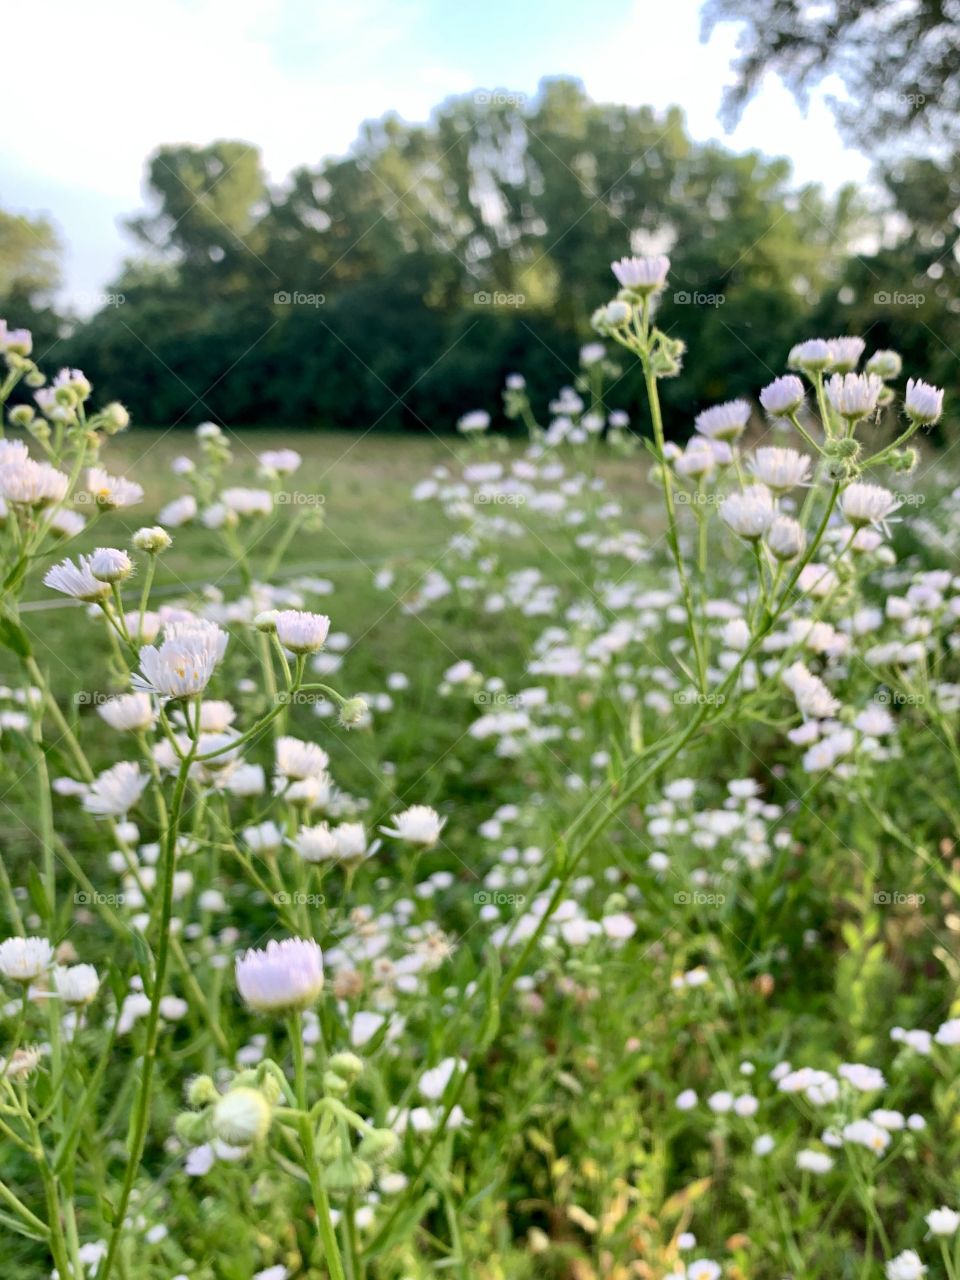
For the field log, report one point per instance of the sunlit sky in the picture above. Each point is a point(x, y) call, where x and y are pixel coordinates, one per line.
point(297, 78)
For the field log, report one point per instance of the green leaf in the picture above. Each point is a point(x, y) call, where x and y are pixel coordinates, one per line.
point(38, 894)
point(14, 637)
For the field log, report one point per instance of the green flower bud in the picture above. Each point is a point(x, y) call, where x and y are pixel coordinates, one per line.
point(201, 1092)
point(334, 1084)
point(348, 1174)
point(378, 1145)
point(352, 712)
point(347, 1065)
point(21, 415)
point(241, 1117)
point(192, 1127)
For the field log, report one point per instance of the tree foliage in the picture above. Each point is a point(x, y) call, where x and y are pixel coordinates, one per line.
point(399, 285)
point(899, 61)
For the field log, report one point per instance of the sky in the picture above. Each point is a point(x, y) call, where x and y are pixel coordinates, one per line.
point(297, 78)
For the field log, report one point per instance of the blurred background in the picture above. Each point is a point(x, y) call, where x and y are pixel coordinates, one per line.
point(313, 215)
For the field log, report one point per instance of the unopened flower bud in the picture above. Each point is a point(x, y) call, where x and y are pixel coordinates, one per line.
point(348, 1174)
point(378, 1145)
point(202, 1092)
point(109, 564)
point(334, 1085)
point(22, 415)
point(241, 1117)
point(266, 621)
point(152, 539)
point(347, 1065)
point(352, 711)
point(191, 1127)
point(115, 417)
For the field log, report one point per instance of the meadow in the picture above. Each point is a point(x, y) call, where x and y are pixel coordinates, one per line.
point(505, 858)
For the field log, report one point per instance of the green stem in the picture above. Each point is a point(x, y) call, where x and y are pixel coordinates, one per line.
point(325, 1229)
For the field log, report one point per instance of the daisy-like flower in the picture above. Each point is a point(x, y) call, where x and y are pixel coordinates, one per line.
point(76, 984)
point(905, 1266)
point(863, 1077)
point(17, 342)
point(864, 1133)
point(814, 1161)
point(127, 712)
point(419, 825)
point(66, 523)
point(786, 538)
point(865, 504)
point(316, 844)
point(780, 469)
point(32, 484)
point(845, 353)
point(783, 396)
point(704, 1269)
point(285, 976)
point(178, 512)
point(248, 502)
point(301, 632)
point(12, 451)
point(750, 513)
point(475, 421)
point(279, 462)
point(24, 1062)
point(112, 491)
point(76, 580)
point(814, 700)
point(698, 458)
point(642, 275)
point(298, 760)
point(724, 421)
point(25, 959)
point(114, 793)
point(812, 356)
point(352, 847)
point(923, 403)
point(183, 665)
point(854, 395)
point(943, 1221)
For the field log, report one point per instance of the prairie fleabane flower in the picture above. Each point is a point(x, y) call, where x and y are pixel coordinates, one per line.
point(284, 976)
point(77, 580)
point(724, 421)
point(642, 275)
point(750, 513)
point(923, 403)
point(25, 959)
point(114, 793)
point(301, 632)
point(419, 825)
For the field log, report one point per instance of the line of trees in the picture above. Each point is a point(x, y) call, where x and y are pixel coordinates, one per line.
point(398, 285)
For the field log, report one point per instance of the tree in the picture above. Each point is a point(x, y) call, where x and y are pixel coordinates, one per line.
point(434, 259)
point(899, 61)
